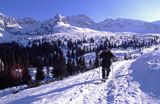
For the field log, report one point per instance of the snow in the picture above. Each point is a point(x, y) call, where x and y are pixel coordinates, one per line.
point(72, 24)
point(1, 34)
point(12, 90)
point(127, 25)
point(72, 27)
point(80, 21)
point(147, 73)
point(130, 82)
point(150, 49)
point(47, 74)
point(32, 73)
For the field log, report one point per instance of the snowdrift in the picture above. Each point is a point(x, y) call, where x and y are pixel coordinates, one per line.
point(146, 71)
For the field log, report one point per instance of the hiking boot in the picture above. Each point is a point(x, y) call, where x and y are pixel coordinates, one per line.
point(103, 80)
point(106, 77)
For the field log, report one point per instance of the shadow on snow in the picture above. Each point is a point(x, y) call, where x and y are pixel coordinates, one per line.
point(32, 98)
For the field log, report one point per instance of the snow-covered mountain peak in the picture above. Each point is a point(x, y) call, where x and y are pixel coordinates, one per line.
point(80, 21)
point(127, 25)
point(59, 19)
point(83, 16)
point(86, 19)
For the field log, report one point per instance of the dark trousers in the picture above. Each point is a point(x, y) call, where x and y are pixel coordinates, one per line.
point(105, 72)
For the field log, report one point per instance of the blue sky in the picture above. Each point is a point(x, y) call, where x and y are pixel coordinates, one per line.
point(98, 10)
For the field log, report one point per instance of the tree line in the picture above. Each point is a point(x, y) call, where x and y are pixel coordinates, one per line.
point(15, 56)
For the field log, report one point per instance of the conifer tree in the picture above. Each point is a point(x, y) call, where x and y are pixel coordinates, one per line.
point(39, 74)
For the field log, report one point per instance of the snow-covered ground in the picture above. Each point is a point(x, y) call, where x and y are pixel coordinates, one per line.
point(12, 90)
point(147, 73)
point(130, 82)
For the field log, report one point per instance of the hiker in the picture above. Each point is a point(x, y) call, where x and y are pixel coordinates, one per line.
point(106, 57)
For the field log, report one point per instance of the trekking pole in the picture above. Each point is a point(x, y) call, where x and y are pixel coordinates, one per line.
point(99, 73)
point(100, 70)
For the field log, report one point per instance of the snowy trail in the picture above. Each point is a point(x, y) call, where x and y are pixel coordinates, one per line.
point(86, 88)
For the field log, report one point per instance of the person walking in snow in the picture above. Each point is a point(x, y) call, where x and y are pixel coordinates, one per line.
point(106, 56)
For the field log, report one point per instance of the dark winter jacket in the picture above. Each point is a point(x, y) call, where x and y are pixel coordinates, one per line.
point(106, 58)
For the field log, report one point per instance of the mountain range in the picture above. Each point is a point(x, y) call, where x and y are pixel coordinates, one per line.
point(30, 26)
